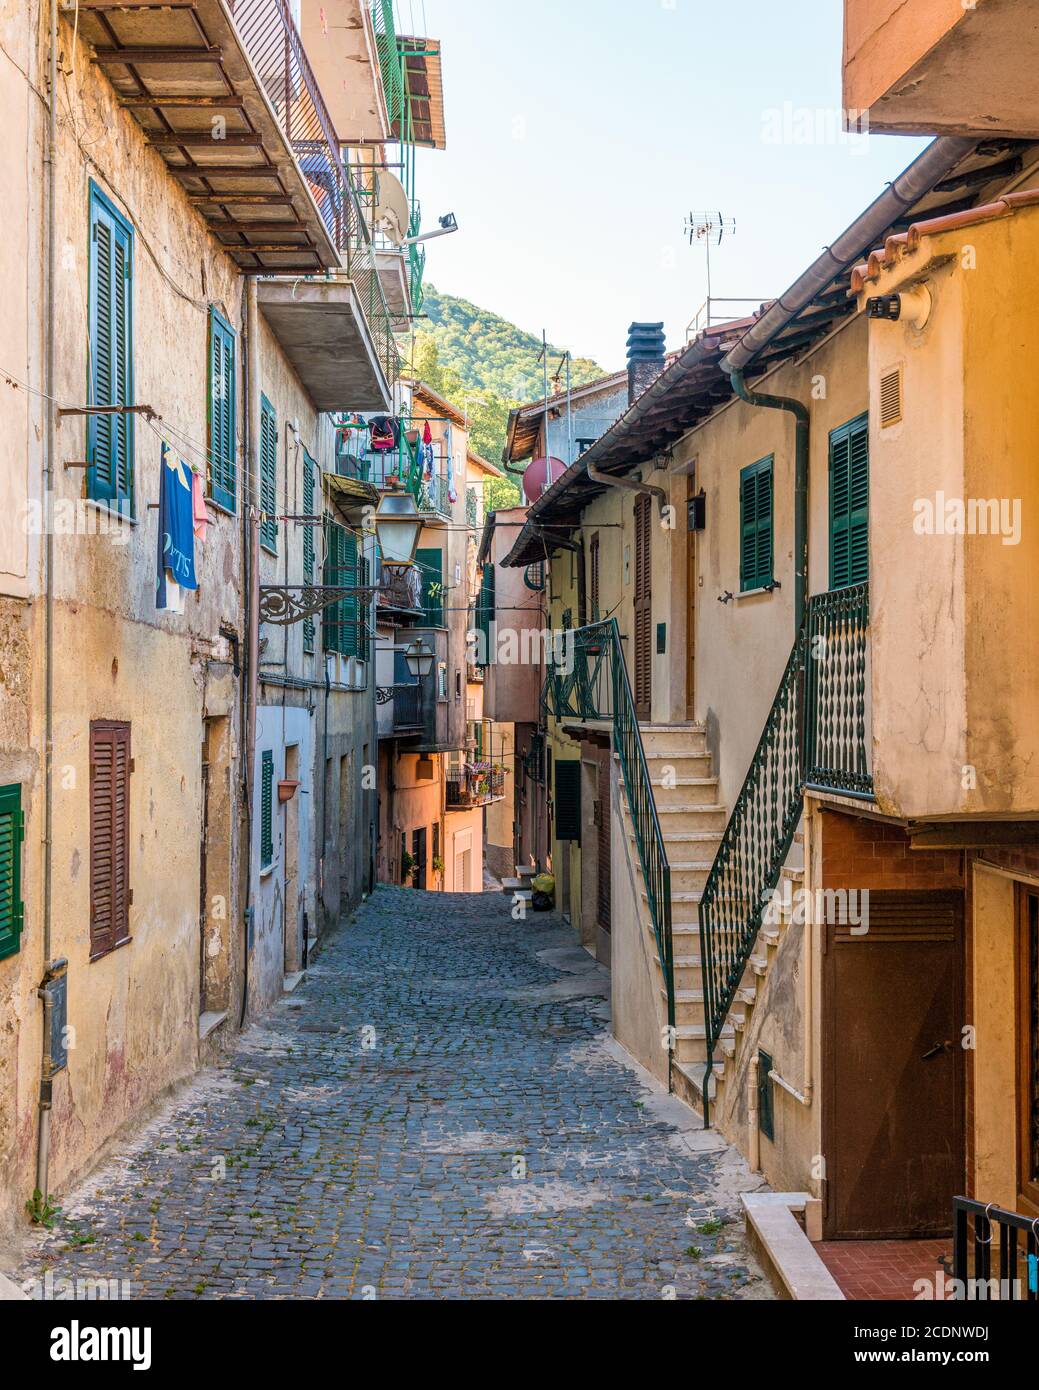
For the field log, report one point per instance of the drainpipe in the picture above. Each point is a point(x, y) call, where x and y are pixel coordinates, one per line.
point(802, 421)
point(628, 484)
point(251, 544)
point(50, 159)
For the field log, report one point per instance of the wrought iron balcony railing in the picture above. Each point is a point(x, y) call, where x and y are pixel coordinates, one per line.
point(596, 686)
point(815, 735)
point(407, 707)
point(271, 39)
point(473, 787)
point(435, 496)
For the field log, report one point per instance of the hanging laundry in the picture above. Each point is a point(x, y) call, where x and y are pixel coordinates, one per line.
point(198, 506)
point(385, 433)
point(427, 452)
point(175, 559)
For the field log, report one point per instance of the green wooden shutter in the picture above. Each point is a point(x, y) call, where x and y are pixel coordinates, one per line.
point(349, 608)
point(267, 811)
point(431, 567)
point(110, 438)
point(364, 610)
point(309, 548)
point(568, 799)
point(756, 525)
point(221, 412)
point(268, 475)
point(849, 503)
point(11, 835)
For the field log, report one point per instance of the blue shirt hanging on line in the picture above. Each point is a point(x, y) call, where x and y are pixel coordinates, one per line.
point(176, 553)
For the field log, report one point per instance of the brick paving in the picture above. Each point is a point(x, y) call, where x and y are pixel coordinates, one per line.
point(437, 1112)
point(884, 1269)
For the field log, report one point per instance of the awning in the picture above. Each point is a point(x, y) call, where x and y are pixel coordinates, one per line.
point(425, 88)
point(350, 495)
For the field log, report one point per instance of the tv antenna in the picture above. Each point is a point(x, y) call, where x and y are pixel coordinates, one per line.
point(709, 228)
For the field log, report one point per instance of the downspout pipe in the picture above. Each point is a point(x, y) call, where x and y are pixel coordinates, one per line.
point(251, 666)
point(802, 439)
point(43, 1144)
point(628, 484)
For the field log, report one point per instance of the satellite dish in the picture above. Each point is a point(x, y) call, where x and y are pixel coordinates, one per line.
point(392, 211)
point(541, 474)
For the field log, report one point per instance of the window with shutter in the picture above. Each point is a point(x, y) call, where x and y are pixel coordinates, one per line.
point(431, 567)
point(223, 443)
point(266, 810)
point(568, 799)
point(12, 832)
point(309, 546)
point(268, 475)
point(756, 482)
point(110, 438)
point(110, 894)
point(341, 618)
point(363, 610)
point(849, 503)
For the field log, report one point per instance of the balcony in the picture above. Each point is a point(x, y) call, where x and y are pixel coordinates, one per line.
point(474, 786)
point(224, 93)
point(944, 67)
point(401, 592)
point(434, 500)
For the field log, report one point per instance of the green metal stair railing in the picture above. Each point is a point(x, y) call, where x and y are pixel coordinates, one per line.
point(817, 722)
point(597, 686)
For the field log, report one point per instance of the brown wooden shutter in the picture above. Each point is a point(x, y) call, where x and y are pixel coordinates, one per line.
point(643, 608)
point(110, 894)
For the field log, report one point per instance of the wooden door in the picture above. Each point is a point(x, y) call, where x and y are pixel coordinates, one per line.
point(893, 1120)
point(643, 659)
point(1028, 1054)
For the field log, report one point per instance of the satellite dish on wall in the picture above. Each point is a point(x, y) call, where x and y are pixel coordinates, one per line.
point(541, 474)
point(393, 211)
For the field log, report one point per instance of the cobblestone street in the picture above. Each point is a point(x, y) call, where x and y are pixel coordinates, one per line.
point(438, 1111)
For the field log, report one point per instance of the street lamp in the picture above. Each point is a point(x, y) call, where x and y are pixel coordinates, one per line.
point(398, 527)
point(420, 658)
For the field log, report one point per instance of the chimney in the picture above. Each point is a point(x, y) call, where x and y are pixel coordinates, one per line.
point(645, 356)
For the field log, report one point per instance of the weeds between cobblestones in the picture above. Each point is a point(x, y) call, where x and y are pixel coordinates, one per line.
point(434, 1113)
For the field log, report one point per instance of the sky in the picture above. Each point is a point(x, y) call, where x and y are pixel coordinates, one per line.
point(582, 133)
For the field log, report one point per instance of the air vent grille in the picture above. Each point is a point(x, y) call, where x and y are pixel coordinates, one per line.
point(891, 397)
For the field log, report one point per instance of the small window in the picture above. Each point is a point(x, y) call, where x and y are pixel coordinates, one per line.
point(12, 832)
point(849, 504)
point(756, 525)
point(110, 437)
point(266, 810)
point(110, 893)
point(223, 450)
point(268, 476)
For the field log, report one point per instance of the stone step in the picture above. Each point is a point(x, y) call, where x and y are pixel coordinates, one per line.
point(525, 871)
point(684, 764)
point(684, 791)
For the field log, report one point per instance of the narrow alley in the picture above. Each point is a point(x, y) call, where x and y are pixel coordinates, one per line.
point(437, 1111)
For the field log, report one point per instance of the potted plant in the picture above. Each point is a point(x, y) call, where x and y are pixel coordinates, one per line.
point(287, 789)
point(438, 867)
point(407, 866)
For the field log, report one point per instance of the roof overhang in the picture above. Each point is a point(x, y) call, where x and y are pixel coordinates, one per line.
point(323, 331)
point(396, 283)
point(949, 177)
point(525, 421)
point(177, 67)
point(425, 87)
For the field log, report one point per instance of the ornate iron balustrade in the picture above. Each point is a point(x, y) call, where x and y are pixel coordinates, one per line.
point(753, 848)
point(817, 722)
point(271, 39)
point(981, 1231)
point(836, 752)
point(597, 687)
point(470, 789)
point(434, 496)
